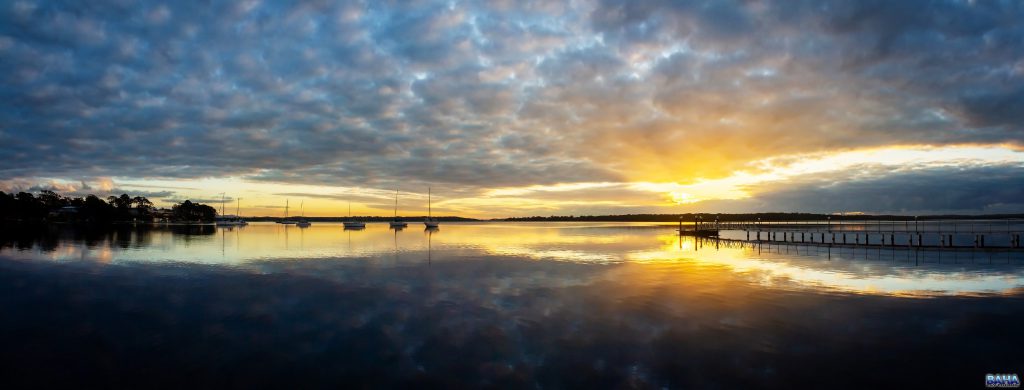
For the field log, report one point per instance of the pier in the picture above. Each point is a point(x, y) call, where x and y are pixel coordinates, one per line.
point(913, 233)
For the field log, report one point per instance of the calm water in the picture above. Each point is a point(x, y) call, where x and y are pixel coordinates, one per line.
point(553, 305)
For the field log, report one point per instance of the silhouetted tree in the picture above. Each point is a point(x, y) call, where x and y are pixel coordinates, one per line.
point(51, 206)
point(143, 208)
point(7, 205)
point(28, 208)
point(95, 209)
point(140, 202)
point(121, 203)
point(51, 200)
point(193, 212)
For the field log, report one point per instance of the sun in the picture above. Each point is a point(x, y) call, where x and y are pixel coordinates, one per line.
point(683, 198)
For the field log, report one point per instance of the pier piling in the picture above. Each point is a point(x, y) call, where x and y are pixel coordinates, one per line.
point(786, 232)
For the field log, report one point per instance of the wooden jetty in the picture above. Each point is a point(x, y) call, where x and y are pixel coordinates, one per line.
point(700, 228)
point(976, 234)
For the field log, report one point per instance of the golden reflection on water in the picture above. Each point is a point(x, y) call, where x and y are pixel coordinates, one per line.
point(649, 245)
point(809, 270)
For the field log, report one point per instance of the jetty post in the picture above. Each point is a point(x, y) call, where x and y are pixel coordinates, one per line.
point(915, 238)
point(918, 231)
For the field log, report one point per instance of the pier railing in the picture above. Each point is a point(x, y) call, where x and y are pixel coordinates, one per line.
point(918, 233)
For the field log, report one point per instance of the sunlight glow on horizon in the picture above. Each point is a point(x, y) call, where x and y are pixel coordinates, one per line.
point(778, 169)
point(263, 198)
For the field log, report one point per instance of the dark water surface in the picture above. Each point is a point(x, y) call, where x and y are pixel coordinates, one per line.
point(560, 305)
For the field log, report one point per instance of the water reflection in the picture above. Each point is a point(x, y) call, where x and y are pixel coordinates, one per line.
point(429, 231)
point(894, 270)
point(494, 305)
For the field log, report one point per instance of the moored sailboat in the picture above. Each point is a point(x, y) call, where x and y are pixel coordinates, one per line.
point(302, 222)
point(397, 222)
point(229, 220)
point(352, 223)
point(286, 221)
point(430, 222)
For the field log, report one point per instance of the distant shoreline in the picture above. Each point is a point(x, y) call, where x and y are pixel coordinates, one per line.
point(687, 217)
point(765, 217)
point(359, 218)
point(667, 218)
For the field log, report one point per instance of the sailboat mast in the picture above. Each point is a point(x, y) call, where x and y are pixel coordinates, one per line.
point(429, 213)
point(396, 204)
point(222, 203)
point(302, 209)
point(238, 207)
point(286, 209)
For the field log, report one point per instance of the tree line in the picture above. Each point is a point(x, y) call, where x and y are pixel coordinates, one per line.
point(49, 206)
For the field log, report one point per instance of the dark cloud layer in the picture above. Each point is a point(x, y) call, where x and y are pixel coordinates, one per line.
point(955, 190)
point(476, 95)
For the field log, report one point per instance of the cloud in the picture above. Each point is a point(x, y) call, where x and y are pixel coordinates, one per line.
point(472, 96)
point(981, 189)
point(995, 108)
point(102, 187)
point(210, 201)
point(911, 185)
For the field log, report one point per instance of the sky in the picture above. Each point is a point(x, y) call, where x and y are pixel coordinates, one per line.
point(518, 108)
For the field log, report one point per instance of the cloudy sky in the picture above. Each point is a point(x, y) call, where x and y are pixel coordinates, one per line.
point(510, 108)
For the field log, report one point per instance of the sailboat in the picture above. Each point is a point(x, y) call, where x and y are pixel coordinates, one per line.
point(351, 223)
point(302, 222)
point(430, 222)
point(286, 220)
point(238, 213)
point(397, 222)
point(227, 220)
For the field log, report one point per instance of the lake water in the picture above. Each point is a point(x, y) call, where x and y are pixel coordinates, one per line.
point(553, 305)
